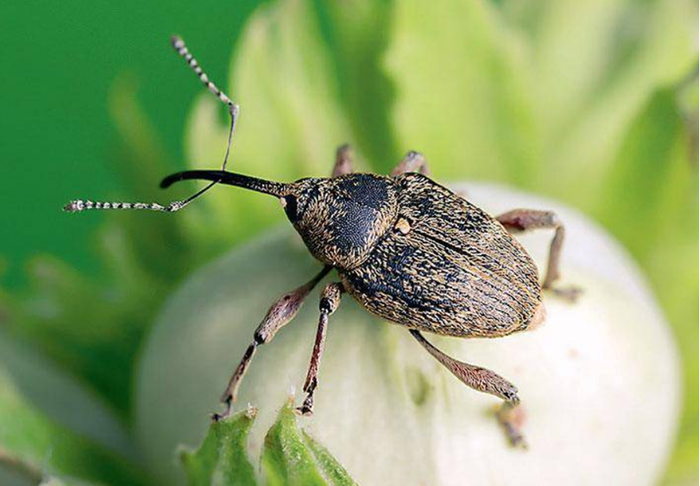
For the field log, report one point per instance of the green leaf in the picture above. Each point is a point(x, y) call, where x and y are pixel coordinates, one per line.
point(542, 93)
point(291, 120)
point(463, 90)
point(62, 397)
point(357, 32)
point(291, 458)
point(222, 459)
point(335, 474)
point(597, 64)
point(649, 167)
point(79, 324)
point(142, 258)
point(286, 460)
point(652, 191)
point(33, 445)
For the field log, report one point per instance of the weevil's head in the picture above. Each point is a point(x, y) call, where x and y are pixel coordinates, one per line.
point(341, 219)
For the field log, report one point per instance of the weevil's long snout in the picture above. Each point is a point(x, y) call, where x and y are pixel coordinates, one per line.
point(229, 178)
point(216, 176)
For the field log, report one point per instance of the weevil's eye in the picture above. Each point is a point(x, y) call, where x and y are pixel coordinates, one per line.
point(289, 203)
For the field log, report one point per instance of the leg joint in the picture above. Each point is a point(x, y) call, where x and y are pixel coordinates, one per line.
point(526, 219)
point(330, 298)
point(326, 305)
point(260, 337)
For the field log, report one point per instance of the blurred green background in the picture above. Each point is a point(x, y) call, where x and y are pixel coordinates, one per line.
point(595, 103)
point(58, 139)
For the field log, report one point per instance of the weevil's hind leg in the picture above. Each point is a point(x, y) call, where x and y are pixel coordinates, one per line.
point(519, 220)
point(330, 299)
point(412, 162)
point(483, 380)
point(279, 314)
point(178, 44)
point(475, 377)
point(343, 161)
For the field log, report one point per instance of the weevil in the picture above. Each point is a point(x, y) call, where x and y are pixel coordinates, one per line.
point(406, 248)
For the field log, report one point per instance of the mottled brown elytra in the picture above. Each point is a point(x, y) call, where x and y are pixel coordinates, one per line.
point(406, 248)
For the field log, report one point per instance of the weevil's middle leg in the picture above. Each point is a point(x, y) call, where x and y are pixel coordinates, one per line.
point(279, 314)
point(526, 219)
point(330, 299)
point(412, 162)
point(483, 380)
point(343, 161)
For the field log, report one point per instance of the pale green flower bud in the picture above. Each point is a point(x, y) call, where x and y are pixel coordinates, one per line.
point(599, 380)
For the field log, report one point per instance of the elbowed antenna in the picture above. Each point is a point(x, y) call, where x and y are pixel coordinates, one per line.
point(229, 178)
point(233, 108)
point(217, 176)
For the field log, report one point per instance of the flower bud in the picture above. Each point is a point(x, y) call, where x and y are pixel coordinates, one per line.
point(598, 380)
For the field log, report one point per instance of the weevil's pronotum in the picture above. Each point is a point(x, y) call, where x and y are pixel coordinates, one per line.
point(406, 248)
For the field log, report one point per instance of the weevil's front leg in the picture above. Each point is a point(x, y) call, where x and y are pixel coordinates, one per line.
point(343, 161)
point(330, 299)
point(519, 220)
point(510, 417)
point(412, 162)
point(279, 314)
point(483, 380)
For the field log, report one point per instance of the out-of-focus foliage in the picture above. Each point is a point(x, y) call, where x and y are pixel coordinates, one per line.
point(35, 446)
point(592, 102)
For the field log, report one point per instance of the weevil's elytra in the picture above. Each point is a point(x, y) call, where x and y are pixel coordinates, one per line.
point(406, 248)
point(457, 272)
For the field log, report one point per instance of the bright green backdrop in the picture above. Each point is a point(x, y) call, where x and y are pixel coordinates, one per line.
point(56, 137)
